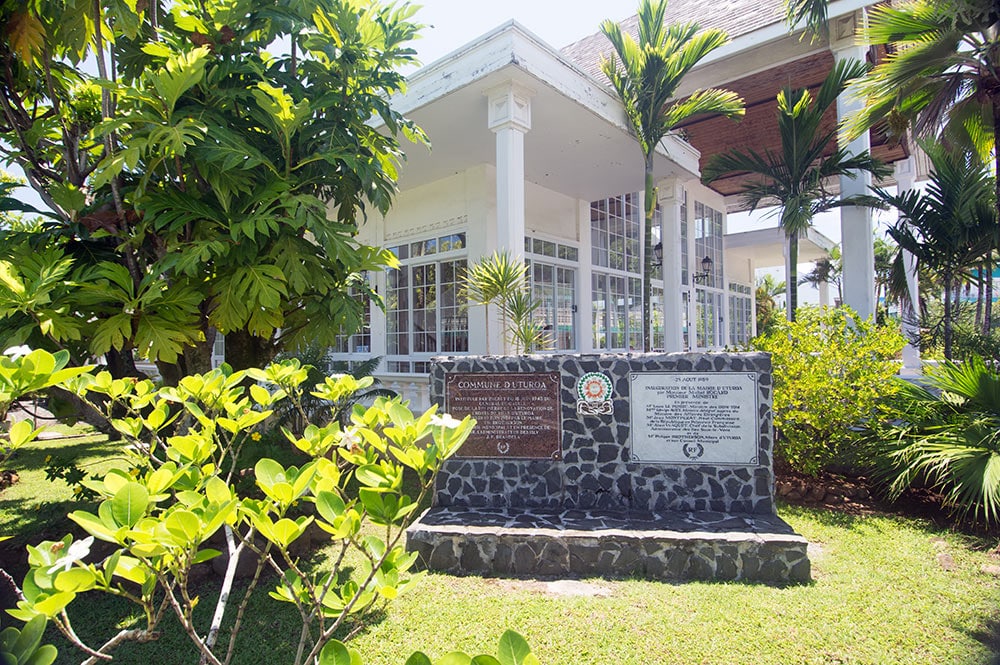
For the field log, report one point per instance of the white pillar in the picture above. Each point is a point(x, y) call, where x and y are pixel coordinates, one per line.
point(671, 195)
point(510, 119)
point(855, 222)
point(584, 282)
point(824, 294)
point(911, 321)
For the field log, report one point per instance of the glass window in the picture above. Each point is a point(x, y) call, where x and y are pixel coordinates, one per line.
point(426, 306)
point(616, 226)
point(708, 242)
point(740, 314)
point(554, 288)
point(616, 238)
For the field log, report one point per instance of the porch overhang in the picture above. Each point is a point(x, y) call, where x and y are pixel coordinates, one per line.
point(579, 143)
point(766, 247)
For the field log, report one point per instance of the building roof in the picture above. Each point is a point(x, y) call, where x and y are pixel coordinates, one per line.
point(735, 17)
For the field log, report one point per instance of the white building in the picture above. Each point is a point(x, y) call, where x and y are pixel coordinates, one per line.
point(532, 154)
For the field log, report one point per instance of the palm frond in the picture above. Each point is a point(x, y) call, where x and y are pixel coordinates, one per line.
point(811, 13)
point(704, 102)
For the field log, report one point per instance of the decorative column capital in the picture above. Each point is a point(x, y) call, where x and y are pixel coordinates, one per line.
point(510, 106)
point(846, 30)
point(670, 191)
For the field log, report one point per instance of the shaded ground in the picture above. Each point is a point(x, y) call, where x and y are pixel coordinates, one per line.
point(860, 495)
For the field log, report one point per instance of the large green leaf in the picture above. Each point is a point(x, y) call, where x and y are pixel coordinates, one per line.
point(129, 504)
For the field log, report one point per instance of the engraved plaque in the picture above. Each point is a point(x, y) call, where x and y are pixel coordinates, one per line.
point(695, 417)
point(517, 413)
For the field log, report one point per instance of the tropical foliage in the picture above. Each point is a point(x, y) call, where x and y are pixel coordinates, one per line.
point(941, 76)
point(795, 177)
point(831, 373)
point(501, 280)
point(946, 435)
point(24, 373)
point(211, 176)
point(646, 74)
point(950, 227)
point(158, 516)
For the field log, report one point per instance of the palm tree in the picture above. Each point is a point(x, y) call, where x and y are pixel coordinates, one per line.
point(646, 75)
point(825, 271)
point(942, 74)
point(950, 226)
point(795, 178)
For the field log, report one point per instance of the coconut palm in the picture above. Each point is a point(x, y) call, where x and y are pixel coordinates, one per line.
point(942, 74)
point(950, 226)
point(795, 177)
point(646, 75)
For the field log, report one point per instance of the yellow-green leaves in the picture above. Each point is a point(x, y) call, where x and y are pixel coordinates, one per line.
point(129, 504)
point(160, 513)
point(513, 650)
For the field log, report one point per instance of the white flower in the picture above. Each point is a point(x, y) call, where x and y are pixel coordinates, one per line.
point(445, 420)
point(16, 352)
point(76, 551)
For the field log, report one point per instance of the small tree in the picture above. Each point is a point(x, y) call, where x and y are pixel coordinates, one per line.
point(180, 491)
point(501, 280)
point(950, 226)
point(795, 177)
point(646, 75)
point(211, 176)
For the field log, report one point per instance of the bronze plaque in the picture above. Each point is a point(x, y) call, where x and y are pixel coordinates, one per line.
point(517, 414)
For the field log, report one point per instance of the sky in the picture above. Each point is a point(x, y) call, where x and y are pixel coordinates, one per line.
point(452, 23)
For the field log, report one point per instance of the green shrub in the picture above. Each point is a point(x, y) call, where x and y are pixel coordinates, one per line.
point(947, 438)
point(158, 517)
point(831, 370)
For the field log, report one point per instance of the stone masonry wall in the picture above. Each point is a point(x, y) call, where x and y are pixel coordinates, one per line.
point(596, 470)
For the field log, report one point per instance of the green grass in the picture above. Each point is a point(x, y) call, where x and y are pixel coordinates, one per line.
point(35, 505)
point(879, 595)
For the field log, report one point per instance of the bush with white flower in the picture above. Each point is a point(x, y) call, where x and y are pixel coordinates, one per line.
point(159, 517)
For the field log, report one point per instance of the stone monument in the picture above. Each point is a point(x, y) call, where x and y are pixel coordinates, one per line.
point(656, 465)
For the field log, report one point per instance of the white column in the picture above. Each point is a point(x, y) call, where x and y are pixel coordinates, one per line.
point(911, 321)
point(671, 195)
point(584, 282)
point(510, 119)
point(855, 222)
point(824, 294)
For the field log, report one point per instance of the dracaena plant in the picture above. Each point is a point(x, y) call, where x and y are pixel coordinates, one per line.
point(159, 515)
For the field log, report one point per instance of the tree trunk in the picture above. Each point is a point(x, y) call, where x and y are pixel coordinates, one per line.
point(244, 350)
point(196, 359)
point(995, 99)
point(793, 275)
point(947, 316)
point(988, 305)
point(647, 259)
point(979, 297)
point(121, 364)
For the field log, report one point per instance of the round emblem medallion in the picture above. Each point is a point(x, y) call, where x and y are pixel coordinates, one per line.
point(593, 387)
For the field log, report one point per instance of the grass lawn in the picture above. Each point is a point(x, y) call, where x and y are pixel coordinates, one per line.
point(35, 505)
point(886, 589)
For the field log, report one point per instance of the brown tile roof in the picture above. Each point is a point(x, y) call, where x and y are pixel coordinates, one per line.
point(736, 17)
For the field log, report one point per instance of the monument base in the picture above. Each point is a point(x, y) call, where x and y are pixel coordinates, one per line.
point(670, 546)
